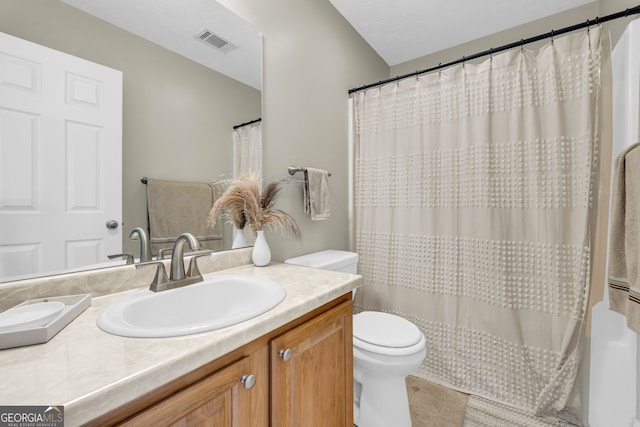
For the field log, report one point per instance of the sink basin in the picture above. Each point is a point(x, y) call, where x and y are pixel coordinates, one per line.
point(216, 302)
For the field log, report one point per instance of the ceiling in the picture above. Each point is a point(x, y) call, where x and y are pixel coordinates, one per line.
point(174, 25)
point(402, 30)
point(398, 30)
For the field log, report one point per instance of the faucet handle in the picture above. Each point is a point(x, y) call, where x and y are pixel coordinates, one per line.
point(128, 257)
point(161, 275)
point(193, 270)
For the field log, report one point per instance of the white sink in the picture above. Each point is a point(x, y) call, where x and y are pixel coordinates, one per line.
point(216, 302)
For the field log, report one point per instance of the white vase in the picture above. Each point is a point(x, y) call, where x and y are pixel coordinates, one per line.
point(261, 254)
point(237, 235)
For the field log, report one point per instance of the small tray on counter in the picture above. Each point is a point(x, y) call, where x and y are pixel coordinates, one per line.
point(28, 335)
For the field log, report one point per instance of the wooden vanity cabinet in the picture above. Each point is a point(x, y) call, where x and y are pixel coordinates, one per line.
point(312, 372)
point(303, 377)
point(221, 399)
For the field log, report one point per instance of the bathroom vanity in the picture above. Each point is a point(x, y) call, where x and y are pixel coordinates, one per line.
point(289, 366)
point(300, 374)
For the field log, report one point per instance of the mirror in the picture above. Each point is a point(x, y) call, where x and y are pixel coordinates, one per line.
point(178, 112)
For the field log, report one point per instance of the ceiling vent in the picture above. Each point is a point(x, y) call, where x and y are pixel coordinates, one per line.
point(215, 40)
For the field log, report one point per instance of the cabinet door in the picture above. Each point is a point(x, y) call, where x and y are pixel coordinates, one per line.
point(220, 399)
point(312, 372)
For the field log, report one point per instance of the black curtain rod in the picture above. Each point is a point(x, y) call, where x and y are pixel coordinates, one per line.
point(247, 123)
point(550, 34)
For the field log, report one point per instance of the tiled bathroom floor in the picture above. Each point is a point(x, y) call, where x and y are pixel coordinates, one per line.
point(435, 406)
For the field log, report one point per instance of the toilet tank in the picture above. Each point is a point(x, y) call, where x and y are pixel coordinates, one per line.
point(331, 259)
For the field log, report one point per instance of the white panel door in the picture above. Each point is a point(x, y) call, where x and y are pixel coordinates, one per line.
point(60, 160)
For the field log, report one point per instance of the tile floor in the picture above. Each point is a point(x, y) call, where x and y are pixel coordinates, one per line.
point(435, 406)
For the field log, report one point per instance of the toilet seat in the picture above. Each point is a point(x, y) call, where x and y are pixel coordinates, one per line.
point(385, 333)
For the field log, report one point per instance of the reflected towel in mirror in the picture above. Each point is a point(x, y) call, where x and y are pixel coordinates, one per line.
point(176, 207)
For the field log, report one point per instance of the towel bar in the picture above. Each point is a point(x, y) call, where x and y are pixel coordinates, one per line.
point(294, 169)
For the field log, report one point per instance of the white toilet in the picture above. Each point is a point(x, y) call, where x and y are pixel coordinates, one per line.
point(386, 348)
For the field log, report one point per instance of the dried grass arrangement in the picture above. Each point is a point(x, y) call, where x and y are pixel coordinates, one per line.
point(245, 205)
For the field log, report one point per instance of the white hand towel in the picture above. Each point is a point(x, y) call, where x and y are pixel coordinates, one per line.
point(316, 194)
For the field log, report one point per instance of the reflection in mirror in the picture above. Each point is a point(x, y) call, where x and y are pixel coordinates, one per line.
point(176, 207)
point(180, 101)
point(247, 158)
point(247, 147)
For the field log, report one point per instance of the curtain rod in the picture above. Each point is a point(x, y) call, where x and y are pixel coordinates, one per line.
point(248, 123)
point(550, 34)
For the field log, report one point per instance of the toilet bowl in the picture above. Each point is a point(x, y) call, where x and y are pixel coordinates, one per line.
point(386, 348)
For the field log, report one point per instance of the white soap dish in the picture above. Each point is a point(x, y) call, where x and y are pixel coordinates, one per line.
point(29, 315)
point(37, 321)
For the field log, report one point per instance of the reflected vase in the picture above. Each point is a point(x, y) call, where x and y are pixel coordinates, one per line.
point(261, 254)
point(238, 239)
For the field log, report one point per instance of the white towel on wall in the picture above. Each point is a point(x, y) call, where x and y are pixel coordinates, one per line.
point(316, 194)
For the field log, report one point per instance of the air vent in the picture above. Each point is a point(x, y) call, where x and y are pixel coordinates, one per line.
point(215, 40)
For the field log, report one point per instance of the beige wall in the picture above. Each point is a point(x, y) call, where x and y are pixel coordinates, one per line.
point(178, 115)
point(312, 57)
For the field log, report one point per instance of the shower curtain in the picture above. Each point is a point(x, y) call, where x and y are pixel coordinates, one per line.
point(247, 158)
point(474, 202)
point(247, 149)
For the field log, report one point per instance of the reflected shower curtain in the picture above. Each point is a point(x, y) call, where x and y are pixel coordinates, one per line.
point(247, 158)
point(247, 149)
point(473, 209)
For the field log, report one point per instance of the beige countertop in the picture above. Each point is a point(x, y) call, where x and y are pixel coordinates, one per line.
point(91, 372)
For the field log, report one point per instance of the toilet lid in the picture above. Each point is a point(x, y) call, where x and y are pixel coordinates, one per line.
point(384, 329)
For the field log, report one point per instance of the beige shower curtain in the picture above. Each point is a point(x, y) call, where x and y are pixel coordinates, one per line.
point(247, 149)
point(473, 209)
point(247, 158)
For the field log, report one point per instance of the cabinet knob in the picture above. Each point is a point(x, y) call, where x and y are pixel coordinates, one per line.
point(248, 380)
point(285, 354)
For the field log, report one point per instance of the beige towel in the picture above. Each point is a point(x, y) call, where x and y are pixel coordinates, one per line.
point(624, 249)
point(316, 194)
point(176, 207)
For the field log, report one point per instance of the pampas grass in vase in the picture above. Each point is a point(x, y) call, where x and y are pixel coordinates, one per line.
point(246, 205)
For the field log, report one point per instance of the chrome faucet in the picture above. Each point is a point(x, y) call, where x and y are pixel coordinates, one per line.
point(145, 246)
point(177, 276)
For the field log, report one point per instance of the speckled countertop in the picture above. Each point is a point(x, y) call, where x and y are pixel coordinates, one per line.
point(91, 372)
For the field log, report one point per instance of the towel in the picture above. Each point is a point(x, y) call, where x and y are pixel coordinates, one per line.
point(624, 246)
point(316, 194)
point(176, 207)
